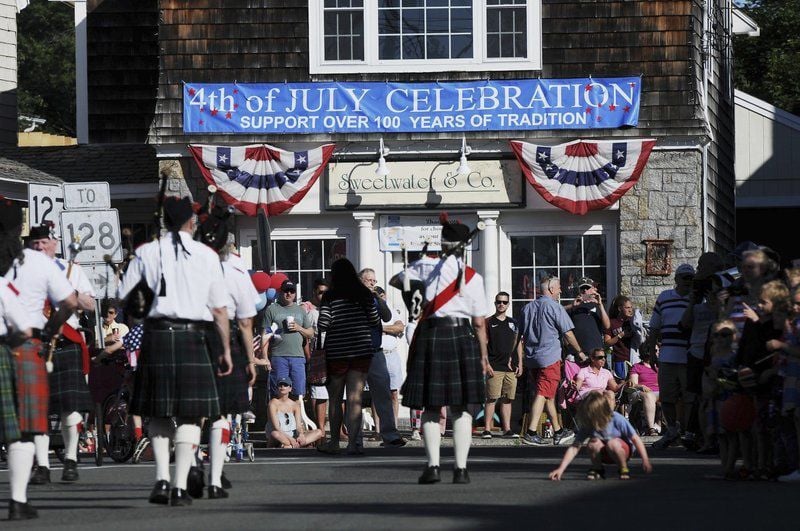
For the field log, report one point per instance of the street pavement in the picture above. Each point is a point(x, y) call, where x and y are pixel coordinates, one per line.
point(302, 489)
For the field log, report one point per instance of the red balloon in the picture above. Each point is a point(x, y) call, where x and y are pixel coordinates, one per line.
point(261, 281)
point(737, 413)
point(277, 280)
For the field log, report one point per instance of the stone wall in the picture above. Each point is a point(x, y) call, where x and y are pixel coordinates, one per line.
point(665, 205)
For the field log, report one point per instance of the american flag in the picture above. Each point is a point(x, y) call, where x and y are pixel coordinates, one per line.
point(132, 341)
point(261, 176)
point(582, 175)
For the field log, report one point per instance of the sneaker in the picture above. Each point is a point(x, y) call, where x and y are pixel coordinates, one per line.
point(794, 477)
point(564, 435)
point(669, 438)
point(510, 435)
point(486, 434)
point(415, 436)
point(249, 417)
point(534, 440)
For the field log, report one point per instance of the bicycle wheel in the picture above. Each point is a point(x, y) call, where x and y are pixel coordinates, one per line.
point(119, 441)
point(98, 429)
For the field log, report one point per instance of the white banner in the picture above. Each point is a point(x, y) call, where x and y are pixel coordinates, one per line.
point(415, 231)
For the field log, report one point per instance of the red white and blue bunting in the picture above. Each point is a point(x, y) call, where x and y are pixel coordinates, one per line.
point(583, 175)
point(261, 176)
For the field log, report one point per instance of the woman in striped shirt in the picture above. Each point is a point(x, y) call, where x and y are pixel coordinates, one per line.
point(347, 315)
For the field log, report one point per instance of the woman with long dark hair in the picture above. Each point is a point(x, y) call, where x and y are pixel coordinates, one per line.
point(620, 333)
point(347, 314)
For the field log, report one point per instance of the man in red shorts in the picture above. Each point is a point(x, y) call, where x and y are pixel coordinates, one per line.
point(544, 323)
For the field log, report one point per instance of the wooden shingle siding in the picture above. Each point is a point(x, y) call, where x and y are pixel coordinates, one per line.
point(8, 73)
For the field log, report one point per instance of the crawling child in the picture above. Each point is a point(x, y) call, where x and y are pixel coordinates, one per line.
point(610, 439)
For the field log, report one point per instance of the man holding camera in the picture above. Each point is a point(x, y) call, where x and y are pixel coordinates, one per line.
point(589, 316)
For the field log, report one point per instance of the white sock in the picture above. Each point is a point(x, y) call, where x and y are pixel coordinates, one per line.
point(42, 443)
point(161, 430)
point(69, 432)
point(431, 435)
point(20, 461)
point(187, 438)
point(462, 436)
point(216, 451)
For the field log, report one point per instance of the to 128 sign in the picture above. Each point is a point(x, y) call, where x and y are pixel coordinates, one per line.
point(97, 231)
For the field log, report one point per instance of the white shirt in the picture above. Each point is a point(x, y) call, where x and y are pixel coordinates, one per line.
point(38, 279)
point(388, 341)
point(470, 301)
point(11, 310)
point(194, 283)
point(79, 281)
point(242, 295)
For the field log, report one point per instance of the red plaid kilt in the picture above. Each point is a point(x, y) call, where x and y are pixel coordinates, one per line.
point(175, 377)
point(232, 389)
point(68, 389)
point(33, 391)
point(444, 368)
point(9, 425)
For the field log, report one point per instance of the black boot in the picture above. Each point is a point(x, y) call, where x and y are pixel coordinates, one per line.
point(40, 475)
point(226, 483)
point(70, 472)
point(216, 493)
point(21, 511)
point(460, 475)
point(179, 497)
point(160, 493)
point(430, 475)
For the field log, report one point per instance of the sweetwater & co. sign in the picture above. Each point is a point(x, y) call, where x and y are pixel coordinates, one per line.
point(427, 184)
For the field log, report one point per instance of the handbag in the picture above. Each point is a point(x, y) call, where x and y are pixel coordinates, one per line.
point(318, 364)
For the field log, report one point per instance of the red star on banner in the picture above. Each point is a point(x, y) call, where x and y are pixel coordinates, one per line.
point(201, 122)
point(588, 87)
point(235, 105)
point(228, 115)
point(236, 91)
point(612, 107)
point(627, 108)
point(632, 84)
point(202, 109)
point(214, 112)
point(599, 118)
point(588, 110)
point(191, 92)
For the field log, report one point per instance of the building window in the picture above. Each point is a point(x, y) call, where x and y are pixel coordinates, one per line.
point(303, 261)
point(356, 36)
point(534, 258)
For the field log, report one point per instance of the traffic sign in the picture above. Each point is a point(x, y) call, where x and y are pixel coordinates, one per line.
point(45, 203)
point(103, 279)
point(98, 232)
point(86, 196)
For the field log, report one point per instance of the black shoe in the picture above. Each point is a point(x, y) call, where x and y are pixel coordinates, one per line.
point(430, 475)
point(40, 476)
point(160, 493)
point(195, 482)
point(179, 497)
point(460, 475)
point(226, 484)
point(216, 493)
point(21, 511)
point(70, 472)
point(395, 443)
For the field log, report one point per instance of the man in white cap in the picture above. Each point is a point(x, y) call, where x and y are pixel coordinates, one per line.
point(674, 340)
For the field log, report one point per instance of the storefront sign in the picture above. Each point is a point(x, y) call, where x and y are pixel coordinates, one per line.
point(380, 107)
point(414, 232)
point(427, 184)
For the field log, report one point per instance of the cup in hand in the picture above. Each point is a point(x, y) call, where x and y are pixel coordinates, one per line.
point(289, 322)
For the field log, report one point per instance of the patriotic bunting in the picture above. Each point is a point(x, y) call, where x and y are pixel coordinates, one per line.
point(583, 175)
point(261, 176)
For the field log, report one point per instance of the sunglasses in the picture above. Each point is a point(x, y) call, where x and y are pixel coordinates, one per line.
point(501, 302)
point(723, 333)
point(291, 291)
point(287, 418)
point(283, 385)
point(584, 288)
point(599, 358)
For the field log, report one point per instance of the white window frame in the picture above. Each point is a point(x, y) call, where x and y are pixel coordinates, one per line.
point(371, 62)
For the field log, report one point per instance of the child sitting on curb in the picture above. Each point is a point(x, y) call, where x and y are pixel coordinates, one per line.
point(610, 439)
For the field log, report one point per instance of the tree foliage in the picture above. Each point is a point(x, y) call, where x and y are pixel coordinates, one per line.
point(46, 65)
point(768, 66)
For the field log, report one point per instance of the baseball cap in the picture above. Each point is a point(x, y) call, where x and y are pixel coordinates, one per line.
point(288, 285)
point(684, 269)
point(585, 281)
point(285, 380)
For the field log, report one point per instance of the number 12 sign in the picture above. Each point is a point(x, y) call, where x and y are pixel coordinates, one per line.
point(45, 203)
point(98, 232)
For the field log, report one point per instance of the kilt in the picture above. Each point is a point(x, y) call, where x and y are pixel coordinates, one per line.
point(174, 377)
point(33, 391)
point(232, 389)
point(9, 425)
point(444, 368)
point(68, 388)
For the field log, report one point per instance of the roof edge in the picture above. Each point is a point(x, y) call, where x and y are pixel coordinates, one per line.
point(761, 107)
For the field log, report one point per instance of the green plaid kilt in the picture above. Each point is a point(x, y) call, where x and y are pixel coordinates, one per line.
point(174, 377)
point(9, 425)
point(232, 389)
point(68, 388)
point(444, 368)
point(33, 391)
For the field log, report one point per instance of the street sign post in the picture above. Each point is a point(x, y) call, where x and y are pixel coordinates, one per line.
point(98, 232)
point(87, 196)
point(45, 203)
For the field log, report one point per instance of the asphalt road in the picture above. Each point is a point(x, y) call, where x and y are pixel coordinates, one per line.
point(301, 489)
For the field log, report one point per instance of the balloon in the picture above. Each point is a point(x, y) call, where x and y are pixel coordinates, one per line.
point(277, 280)
point(261, 281)
point(262, 301)
point(271, 292)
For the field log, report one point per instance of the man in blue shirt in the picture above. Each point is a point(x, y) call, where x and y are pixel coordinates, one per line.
point(544, 322)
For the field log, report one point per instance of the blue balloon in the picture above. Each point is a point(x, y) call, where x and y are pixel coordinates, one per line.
point(262, 302)
point(271, 293)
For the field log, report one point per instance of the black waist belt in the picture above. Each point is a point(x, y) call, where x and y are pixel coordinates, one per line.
point(447, 322)
point(176, 324)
